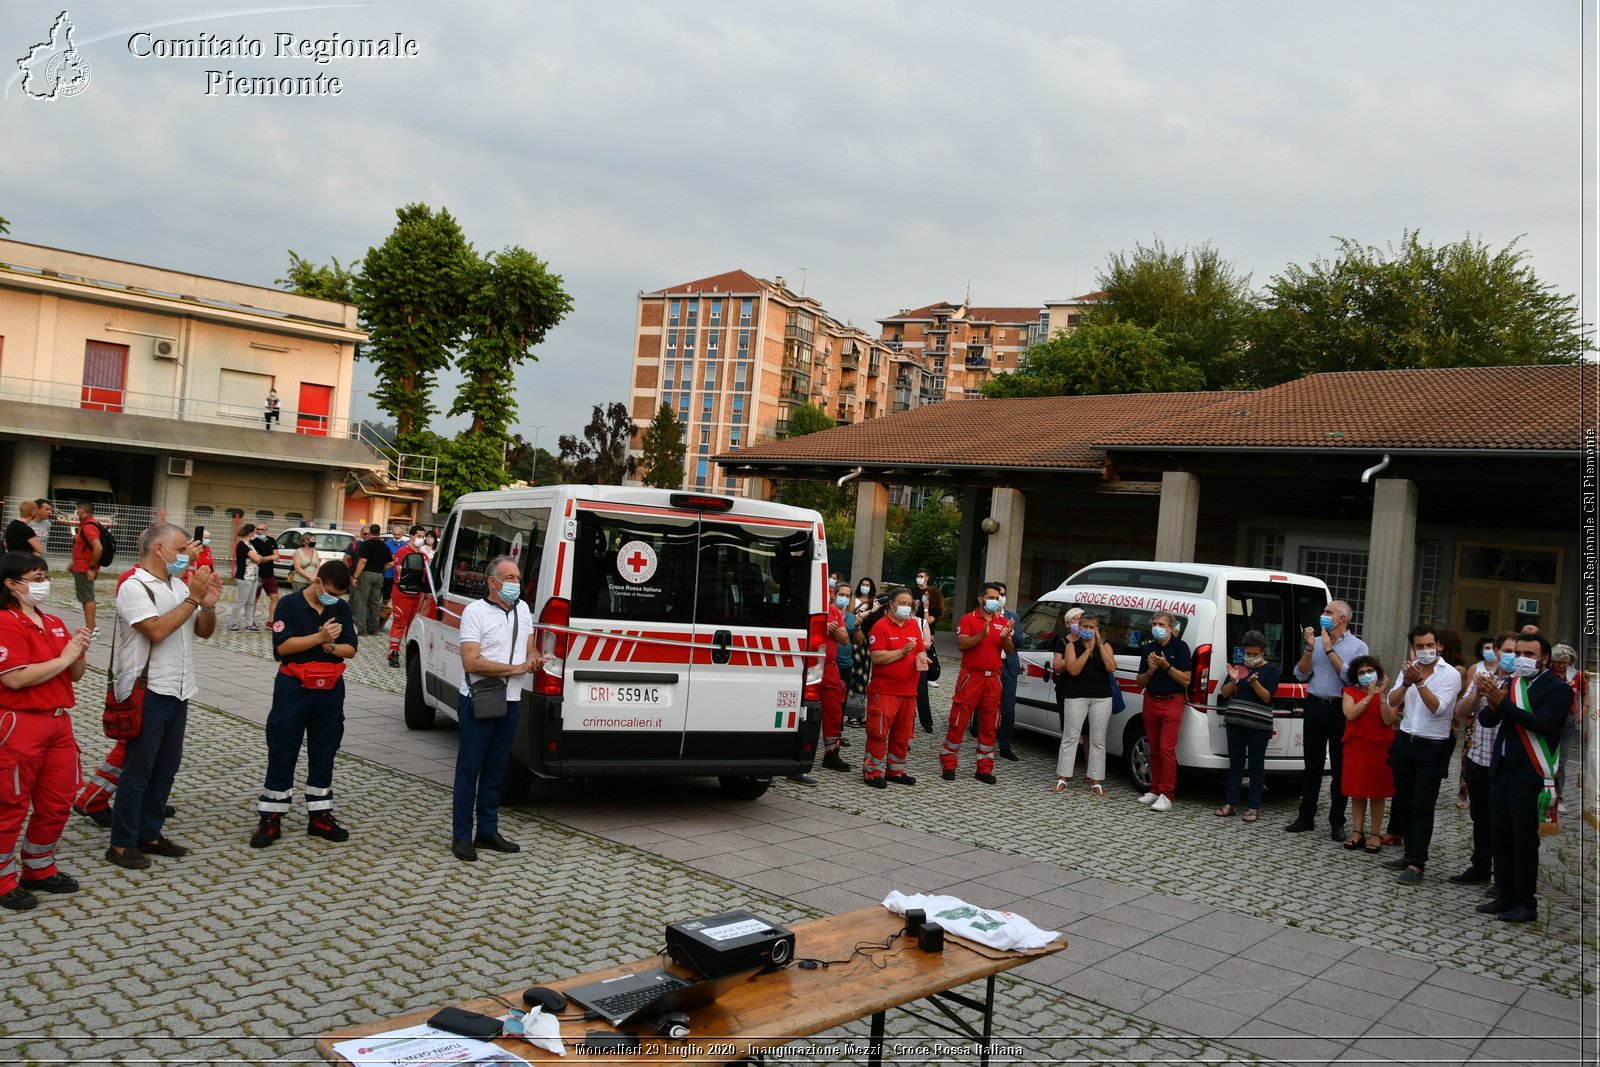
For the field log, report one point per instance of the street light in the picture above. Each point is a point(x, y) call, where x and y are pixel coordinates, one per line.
point(533, 473)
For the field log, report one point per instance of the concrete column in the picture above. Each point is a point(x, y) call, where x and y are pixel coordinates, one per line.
point(1007, 507)
point(1180, 514)
point(969, 557)
point(1391, 568)
point(170, 493)
point(872, 521)
point(30, 470)
point(330, 496)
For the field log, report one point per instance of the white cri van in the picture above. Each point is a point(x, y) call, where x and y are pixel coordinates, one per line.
point(686, 631)
point(1211, 607)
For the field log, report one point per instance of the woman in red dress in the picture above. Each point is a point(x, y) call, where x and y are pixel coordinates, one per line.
point(1368, 732)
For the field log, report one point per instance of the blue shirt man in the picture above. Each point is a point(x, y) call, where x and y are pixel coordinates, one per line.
point(1329, 648)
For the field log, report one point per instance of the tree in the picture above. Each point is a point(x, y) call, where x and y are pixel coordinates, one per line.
point(413, 295)
point(5, 226)
point(1097, 358)
point(819, 495)
point(808, 418)
point(663, 447)
point(601, 457)
point(336, 282)
point(1192, 298)
point(1457, 305)
point(931, 538)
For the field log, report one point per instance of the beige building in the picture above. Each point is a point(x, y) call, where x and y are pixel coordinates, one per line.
point(733, 355)
point(958, 347)
point(147, 388)
point(1064, 314)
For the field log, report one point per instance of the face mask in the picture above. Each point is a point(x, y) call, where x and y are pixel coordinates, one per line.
point(1087, 635)
point(991, 605)
point(206, 542)
point(1489, 656)
point(902, 611)
point(1527, 666)
point(922, 583)
point(1366, 678)
point(1325, 621)
point(327, 600)
point(510, 591)
point(416, 542)
point(1077, 631)
point(179, 565)
point(866, 590)
point(1507, 661)
point(1158, 632)
point(38, 592)
point(1426, 656)
point(842, 601)
point(1254, 661)
point(1002, 600)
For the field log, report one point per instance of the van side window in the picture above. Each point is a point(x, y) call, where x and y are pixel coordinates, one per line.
point(1127, 629)
point(1280, 611)
point(1040, 625)
point(637, 568)
point(481, 536)
point(441, 552)
point(754, 576)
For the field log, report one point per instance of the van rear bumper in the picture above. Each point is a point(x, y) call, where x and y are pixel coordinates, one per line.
point(542, 746)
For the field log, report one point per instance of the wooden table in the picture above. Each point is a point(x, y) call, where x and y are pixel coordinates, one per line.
point(783, 1007)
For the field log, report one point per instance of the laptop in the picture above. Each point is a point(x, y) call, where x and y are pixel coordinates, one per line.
point(647, 994)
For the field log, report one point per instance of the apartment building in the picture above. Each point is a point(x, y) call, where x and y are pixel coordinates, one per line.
point(733, 354)
point(1064, 314)
point(145, 387)
point(958, 347)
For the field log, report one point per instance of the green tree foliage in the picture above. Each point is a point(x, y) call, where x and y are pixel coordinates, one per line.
point(808, 418)
point(1192, 298)
point(819, 495)
point(663, 447)
point(1096, 358)
point(335, 282)
point(512, 301)
point(601, 457)
point(5, 226)
point(470, 463)
point(1462, 304)
point(931, 538)
point(413, 290)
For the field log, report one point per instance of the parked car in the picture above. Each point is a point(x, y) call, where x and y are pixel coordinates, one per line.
point(331, 544)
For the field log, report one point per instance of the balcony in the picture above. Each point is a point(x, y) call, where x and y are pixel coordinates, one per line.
point(895, 345)
point(849, 358)
point(799, 333)
point(979, 362)
point(874, 365)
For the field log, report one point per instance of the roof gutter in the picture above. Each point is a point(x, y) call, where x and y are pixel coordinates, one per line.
point(1377, 468)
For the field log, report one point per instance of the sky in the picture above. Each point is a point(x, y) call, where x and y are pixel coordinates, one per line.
point(884, 154)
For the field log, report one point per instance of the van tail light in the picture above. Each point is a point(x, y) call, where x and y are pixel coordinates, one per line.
point(1200, 679)
point(811, 667)
point(551, 677)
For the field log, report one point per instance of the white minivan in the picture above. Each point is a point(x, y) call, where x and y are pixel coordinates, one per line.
point(1211, 606)
point(686, 631)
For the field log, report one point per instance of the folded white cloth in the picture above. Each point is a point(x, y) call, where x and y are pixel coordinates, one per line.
point(537, 1028)
point(997, 929)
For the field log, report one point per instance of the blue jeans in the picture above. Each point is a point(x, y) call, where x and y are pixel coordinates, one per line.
point(148, 771)
point(1246, 742)
point(480, 768)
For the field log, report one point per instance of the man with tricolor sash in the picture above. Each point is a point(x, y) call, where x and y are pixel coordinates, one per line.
point(1531, 707)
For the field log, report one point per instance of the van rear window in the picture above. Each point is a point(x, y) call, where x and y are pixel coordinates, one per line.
point(1143, 578)
point(754, 576)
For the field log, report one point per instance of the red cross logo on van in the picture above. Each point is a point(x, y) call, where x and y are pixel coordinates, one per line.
point(636, 562)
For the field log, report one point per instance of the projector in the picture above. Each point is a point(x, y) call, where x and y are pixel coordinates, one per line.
point(727, 944)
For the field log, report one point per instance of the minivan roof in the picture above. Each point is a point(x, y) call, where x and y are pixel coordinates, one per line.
point(544, 495)
point(1210, 571)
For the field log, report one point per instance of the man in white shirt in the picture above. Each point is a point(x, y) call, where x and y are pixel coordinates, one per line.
point(497, 641)
point(158, 618)
point(1427, 689)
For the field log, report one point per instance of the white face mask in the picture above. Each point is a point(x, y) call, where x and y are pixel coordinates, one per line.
point(38, 592)
point(1426, 656)
point(416, 542)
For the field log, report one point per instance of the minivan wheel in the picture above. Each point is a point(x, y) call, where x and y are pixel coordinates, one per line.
point(419, 713)
point(1136, 752)
point(742, 788)
point(517, 783)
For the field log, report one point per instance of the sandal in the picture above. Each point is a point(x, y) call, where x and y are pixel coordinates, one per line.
point(1252, 815)
point(1374, 842)
point(1225, 811)
point(1098, 790)
point(1353, 842)
point(1060, 786)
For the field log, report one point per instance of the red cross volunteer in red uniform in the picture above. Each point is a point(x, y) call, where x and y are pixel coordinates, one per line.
point(403, 605)
point(833, 681)
point(38, 754)
point(984, 637)
point(899, 656)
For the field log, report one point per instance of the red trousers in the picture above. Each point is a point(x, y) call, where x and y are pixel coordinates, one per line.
point(38, 770)
point(832, 716)
point(978, 692)
point(98, 790)
point(403, 607)
point(890, 720)
point(1162, 716)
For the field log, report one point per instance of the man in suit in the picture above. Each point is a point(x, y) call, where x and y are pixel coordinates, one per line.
point(1530, 709)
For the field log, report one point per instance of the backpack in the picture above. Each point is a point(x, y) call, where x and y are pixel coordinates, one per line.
point(108, 543)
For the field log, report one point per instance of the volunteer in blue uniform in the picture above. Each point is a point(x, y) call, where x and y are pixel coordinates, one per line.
point(313, 633)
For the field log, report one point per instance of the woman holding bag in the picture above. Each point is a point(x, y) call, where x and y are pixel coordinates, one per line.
point(38, 664)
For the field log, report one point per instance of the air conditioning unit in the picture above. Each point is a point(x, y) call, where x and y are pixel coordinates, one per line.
point(166, 348)
point(179, 468)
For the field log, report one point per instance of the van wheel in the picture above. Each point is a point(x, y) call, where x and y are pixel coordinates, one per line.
point(419, 713)
point(516, 784)
point(744, 788)
point(1136, 753)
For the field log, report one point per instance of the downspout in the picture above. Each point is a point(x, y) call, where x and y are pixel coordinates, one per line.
point(858, 472)
point(1377, 468)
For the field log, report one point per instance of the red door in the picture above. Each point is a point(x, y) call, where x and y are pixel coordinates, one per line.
point(104, 368)
point(311, 416)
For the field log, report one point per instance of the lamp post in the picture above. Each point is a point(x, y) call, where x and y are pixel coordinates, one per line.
point(533, 472)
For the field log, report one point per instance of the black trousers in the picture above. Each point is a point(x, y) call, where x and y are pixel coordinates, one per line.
point(924, 708)
point(1514, 822)
point(1476, 777)
point(1419, 768)
point(1324, 739)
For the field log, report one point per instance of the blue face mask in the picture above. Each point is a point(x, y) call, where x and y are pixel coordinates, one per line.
point(1326, 622)
point(327, 600)
point(902, 611)
point(1489, 656)
point(510, 591)
point(1508, 661)
point(991, 605)
point(1158, 632)
point(179, 565)
point(842, 601)
point(1366, 678)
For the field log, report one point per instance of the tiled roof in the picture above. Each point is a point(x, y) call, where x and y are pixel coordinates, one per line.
point(1004, 315)
point(1495, 408)
point(924, 312)
point(734, 281)
point(1047, 432)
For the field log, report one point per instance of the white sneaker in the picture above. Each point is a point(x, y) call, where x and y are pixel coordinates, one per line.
point(1161, 804)
point(1148, 798)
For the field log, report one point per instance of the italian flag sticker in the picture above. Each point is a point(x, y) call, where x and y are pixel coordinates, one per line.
point(783, 719)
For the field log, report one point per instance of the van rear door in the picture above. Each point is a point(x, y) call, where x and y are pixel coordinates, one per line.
point(1280, 610)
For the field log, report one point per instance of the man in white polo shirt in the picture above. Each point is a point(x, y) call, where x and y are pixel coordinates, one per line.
point(1427, 690)
point(497, 641)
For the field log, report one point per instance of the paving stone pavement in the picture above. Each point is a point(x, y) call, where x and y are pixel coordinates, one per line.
point(1183, 937)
